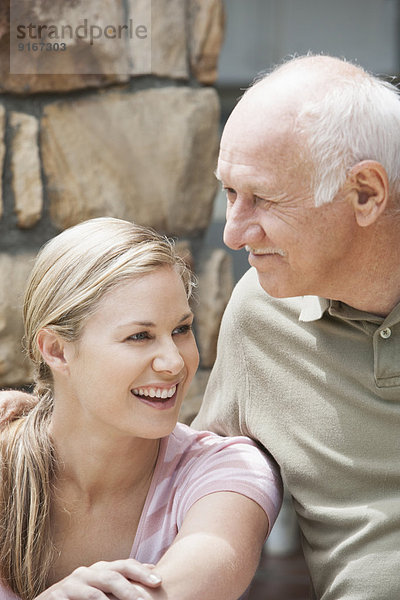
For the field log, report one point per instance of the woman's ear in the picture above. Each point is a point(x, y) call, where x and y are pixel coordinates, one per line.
point(52, 348)
point(368, 190)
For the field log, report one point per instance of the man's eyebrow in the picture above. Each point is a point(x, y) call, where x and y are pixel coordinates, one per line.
point(257, 188)
point(217, 175)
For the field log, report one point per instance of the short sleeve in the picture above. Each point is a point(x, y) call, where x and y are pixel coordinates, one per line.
point(232, 465)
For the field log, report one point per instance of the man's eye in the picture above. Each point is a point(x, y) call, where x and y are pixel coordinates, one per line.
point(261, 201)
point(138, 337)
point(182, 329)
point(230, 194)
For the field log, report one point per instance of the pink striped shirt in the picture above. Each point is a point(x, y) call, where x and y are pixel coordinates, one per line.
point(190, 465)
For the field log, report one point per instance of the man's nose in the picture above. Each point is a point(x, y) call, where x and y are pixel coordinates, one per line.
point(242, 227)
point(168, 358)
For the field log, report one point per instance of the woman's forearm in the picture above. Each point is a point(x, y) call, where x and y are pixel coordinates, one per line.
point(217, 551)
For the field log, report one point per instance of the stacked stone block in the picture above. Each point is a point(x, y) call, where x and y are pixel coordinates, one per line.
point(138, 146)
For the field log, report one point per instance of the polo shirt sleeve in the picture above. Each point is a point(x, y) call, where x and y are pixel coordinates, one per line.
point(228, 390)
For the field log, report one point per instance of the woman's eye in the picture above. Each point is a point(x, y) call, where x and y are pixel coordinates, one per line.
point(138, 337)
point(182, 329)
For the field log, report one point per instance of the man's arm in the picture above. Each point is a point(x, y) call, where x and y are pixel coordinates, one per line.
point(227, 389)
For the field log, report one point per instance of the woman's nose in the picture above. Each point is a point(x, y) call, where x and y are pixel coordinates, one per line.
point(168, 359)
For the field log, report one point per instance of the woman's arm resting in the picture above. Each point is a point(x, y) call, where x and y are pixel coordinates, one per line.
point(213, 557)
point(216, 552)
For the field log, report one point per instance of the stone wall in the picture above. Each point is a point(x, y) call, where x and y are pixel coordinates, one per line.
point(104, 129)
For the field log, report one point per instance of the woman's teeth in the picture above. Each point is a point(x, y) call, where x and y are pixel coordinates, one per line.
point(155, 392)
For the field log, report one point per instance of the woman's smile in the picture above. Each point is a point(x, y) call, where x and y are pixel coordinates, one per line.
point(158, 397)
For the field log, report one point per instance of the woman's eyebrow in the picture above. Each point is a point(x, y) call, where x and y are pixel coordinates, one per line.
point(150, 323)
point(186, 316)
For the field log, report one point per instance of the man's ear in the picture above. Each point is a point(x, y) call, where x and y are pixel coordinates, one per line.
point(368, 191)
point(52, 348)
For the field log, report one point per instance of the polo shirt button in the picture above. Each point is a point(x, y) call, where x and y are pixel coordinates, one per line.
point(385, 333)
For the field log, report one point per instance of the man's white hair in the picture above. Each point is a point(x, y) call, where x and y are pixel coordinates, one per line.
point(357, 119)
point(354, 116)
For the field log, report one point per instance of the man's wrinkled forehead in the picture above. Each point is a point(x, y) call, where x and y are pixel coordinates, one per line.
point(254, 129)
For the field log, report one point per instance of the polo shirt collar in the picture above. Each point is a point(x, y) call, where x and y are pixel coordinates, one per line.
point(313, 308)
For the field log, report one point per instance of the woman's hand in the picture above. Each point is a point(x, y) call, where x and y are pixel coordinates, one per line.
point(116, 580)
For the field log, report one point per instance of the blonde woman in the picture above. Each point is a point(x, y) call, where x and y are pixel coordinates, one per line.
point(103, 494)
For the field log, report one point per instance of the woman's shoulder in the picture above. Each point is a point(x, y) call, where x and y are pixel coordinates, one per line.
point(6, 593)
point(198, 463)
point(189, 438)
point(186, 445)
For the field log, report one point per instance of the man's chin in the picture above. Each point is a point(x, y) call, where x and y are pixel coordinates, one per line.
point(277, 288)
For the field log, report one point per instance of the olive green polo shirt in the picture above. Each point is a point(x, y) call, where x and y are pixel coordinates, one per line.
point(384, 332)
point(318, 384)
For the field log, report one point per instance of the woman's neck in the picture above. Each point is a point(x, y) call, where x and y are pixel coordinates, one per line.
point(98, 500)
point(95, 466)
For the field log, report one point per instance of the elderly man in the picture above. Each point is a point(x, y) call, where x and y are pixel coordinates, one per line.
point(309, 348)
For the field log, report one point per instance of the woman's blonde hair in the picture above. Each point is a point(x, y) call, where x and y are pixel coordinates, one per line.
point(71, 274)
